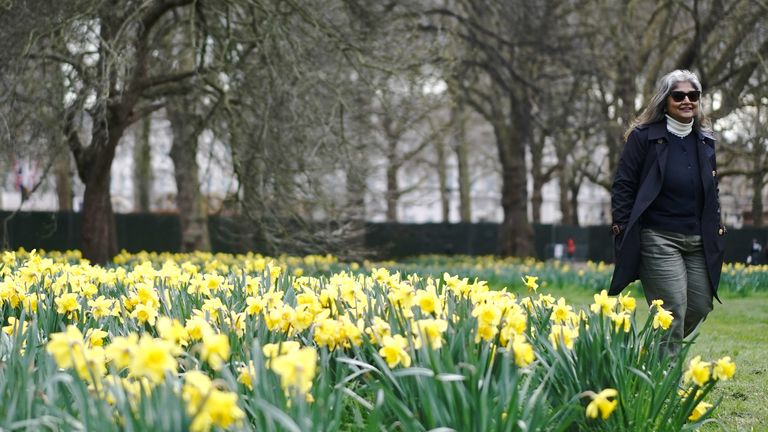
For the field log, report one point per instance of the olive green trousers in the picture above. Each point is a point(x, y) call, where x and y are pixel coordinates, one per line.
point(673, 268)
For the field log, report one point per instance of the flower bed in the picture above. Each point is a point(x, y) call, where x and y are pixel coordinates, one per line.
point(200, 342)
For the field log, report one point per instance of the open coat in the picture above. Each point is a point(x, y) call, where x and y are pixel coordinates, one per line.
point(636, 185)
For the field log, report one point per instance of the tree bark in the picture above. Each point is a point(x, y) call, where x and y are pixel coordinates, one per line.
point(565, 202)
point(142, 157)
point(356, 189)
point(574, 197)
point(190, 203)
point(758, 183)
point(94, 163)
point(64, 182)
point(538, 179)
point(462, 157)
point(515, 232)
point(442, 177)
point(392, 194)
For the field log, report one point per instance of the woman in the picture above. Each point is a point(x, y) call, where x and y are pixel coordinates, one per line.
point(666, 209)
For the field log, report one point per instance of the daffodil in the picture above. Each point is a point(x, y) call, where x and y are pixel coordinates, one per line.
point(65, 346)
point(15, 326)
point(273, 350)
point(96, 337)
point(221, 407)
point(698, 371)
point(603, 303)
point(663, 318)
point(296, 370)
point(428, 300)
point(67, 304)
point(122, 349)
point(196, 327)
point(698, 411)
point(393, 351)
point(561, 311)
point(627, 303)
point(152, 359)
point(601, 404)
point(246, 374)
point(172, 331)
point(432, 329)
point(523, 351)
point(378, 329)
point(621, 320)
point(487, 314)
point(530, 283)
point(144, 314)
point(102, 307)
point(562, 335)
point(215, 350)
point(724, 369)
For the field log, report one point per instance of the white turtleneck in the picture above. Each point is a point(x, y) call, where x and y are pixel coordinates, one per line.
point(678, 128)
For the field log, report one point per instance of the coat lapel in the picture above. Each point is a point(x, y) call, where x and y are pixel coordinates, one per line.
point(706, 168)
point(657, 134)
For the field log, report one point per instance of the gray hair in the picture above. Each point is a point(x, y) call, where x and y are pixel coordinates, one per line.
point(657, 106)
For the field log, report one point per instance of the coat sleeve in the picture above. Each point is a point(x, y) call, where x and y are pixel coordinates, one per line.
point(717, 190)
point(626, 180)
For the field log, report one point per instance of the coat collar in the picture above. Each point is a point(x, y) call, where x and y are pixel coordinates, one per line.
point(658, 130)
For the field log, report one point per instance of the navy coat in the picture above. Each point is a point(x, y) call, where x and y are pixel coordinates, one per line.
point(636, 185)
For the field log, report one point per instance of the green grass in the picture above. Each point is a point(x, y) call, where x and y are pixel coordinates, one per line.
point(737, 328)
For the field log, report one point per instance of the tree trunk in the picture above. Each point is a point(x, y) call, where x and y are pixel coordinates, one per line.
point(757, 194)
point(515, 232)
point(442, 177)
point(565, 202)
point(392, 194)
point(356, 188)
point(64, 182)
point(99, 232)
point(94, 163)
point(538, 180)
point(142, 179)
point(462, 157)
point(190, 203)
point(574, 197)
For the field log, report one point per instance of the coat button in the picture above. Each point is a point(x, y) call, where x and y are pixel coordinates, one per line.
point(720, 231)
point(660, 141)
point(714, 173)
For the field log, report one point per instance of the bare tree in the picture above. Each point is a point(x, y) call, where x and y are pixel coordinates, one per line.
point(283, 113)
point(407, 128)
point(187, 126)
point(30, 116)
point(461, 149)
point(501, 63)
point(107, 50)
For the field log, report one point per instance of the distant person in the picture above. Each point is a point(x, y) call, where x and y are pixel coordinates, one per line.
point(754, 253)
point(666, 209)
point(570, 248)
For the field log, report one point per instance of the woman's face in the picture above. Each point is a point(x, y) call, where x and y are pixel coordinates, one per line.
point(683, 111)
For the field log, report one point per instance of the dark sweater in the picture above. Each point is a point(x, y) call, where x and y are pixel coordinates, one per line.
point(679, 204)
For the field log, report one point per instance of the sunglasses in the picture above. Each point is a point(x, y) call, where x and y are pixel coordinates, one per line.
point(679, 96)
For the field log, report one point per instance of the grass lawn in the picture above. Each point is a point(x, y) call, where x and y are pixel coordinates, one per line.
point(738, 328)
